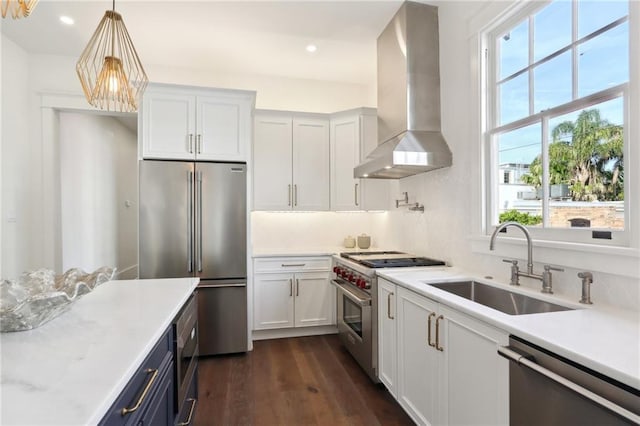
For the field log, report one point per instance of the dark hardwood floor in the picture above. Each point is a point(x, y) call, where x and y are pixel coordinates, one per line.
point(298, 381)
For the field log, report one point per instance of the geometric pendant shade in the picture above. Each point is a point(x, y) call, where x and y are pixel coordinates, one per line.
point(18, 8)
point(109, 69)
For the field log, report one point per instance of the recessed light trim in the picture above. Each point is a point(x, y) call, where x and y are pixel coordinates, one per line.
point(311, 48)
point(67, 20)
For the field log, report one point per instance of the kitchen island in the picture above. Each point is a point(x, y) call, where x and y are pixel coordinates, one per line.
point(71, 370)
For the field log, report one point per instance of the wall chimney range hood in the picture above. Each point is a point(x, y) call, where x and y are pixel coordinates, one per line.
point(410, 140)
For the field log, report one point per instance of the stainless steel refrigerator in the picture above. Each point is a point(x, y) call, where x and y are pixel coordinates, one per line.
point(193, 223)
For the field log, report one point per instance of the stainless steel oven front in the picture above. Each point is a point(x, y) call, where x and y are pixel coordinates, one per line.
point(186, 348)
point(355, 324)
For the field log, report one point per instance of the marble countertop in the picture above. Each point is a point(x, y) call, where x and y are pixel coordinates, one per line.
point(71, 370)
point(306, 251)
point(602, 338)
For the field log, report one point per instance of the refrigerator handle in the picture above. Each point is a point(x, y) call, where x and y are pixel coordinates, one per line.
point(190, 221)
point(199, 199)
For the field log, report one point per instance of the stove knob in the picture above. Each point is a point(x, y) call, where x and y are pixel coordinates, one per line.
point(336, 269)
point(352, 278)
point(359, 282)
point(343, 273)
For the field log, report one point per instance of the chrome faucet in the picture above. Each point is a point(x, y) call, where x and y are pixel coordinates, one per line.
point(587, 280)
point(545, 277)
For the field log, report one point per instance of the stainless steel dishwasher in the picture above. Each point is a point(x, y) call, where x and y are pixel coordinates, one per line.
point(546, 389)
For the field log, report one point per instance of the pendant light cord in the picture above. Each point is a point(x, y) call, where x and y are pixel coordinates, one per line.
point(113, 30)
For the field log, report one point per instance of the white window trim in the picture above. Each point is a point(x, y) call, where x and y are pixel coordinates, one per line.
point(618, 238)
point(624, 261)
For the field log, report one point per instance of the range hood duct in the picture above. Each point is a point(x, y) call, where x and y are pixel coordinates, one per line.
point(409, 135)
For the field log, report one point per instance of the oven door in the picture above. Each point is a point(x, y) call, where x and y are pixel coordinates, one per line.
point(355, 323)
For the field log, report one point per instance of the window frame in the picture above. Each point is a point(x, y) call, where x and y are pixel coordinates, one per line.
point(490, 45)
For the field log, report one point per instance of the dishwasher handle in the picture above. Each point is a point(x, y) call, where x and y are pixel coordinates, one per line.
point(528, 361)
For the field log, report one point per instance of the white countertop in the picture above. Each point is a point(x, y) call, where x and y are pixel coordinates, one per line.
point(307, 251)
point(602, 338)
point(70, 370)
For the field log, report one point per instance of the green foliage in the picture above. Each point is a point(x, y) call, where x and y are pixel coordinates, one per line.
point(587, 155)
point(520, 217)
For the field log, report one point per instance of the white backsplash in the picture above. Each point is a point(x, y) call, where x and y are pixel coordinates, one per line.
point(307, 230)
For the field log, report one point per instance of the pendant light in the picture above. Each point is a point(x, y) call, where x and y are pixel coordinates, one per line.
point(110, 71)
point(19, 8)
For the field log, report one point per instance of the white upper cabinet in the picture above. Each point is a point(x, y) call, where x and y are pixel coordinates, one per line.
point(353, 137)
point(345, 155)
point(290, 161)
point(185, 123)
point(272, 157)
point(310, 163)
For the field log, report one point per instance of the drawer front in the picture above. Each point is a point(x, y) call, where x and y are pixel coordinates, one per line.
point(153, 369)
point(292, 264)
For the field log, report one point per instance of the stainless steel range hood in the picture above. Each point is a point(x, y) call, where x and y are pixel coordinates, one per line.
point(410, 140)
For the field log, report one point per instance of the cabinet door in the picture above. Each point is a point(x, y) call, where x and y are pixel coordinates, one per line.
point(345, 155)
point(315, 299)
point(273, 301)
point(475, 379)
point(417, 361)
point(168, 125)
point(310, 164)
point(272, 156)
point(387, 342)
point(223, 124)
point(375, 193)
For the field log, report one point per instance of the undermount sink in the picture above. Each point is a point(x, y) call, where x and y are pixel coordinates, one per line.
point(496, 298)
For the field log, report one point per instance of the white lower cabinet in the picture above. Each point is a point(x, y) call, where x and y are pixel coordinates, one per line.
point(292, 299)
point(387, 336)
point(447, 370)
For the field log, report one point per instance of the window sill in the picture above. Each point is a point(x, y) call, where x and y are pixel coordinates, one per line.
point(621, 261)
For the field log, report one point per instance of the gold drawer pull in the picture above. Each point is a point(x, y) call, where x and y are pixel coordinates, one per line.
point(193, 405)
point(126, 411)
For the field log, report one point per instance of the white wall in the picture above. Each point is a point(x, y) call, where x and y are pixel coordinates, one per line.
point(98, 163)
point(15, 155)
point(451, 196)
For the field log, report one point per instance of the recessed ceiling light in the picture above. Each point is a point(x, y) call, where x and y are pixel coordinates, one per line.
point(311, 48)
point(67, 20)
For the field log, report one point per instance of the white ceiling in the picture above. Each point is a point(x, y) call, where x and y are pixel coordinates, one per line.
point(251, 37)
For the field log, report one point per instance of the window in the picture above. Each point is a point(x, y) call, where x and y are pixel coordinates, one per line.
point(557, 107)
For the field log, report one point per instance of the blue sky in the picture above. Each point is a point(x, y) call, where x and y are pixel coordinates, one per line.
point(602, 63)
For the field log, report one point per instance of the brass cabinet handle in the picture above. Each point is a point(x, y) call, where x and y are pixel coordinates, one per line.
point(389, 306)
point(199, 143)
point(289, 193)
point(191, 410)
point(190, 143)
point(297, 287)
point(291, 265)
point(431, 315)
point(126, 411)
point(438, 347)
point(290, 287)
point(295, 195)
point(355, 191)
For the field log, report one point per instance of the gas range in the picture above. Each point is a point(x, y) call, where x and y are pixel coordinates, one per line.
point(358, 268)
point(357, 308)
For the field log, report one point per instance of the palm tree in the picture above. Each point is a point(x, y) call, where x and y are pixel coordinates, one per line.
point(587, 155)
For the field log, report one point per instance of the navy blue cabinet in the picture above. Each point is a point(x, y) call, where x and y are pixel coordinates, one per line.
point(149, 397)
